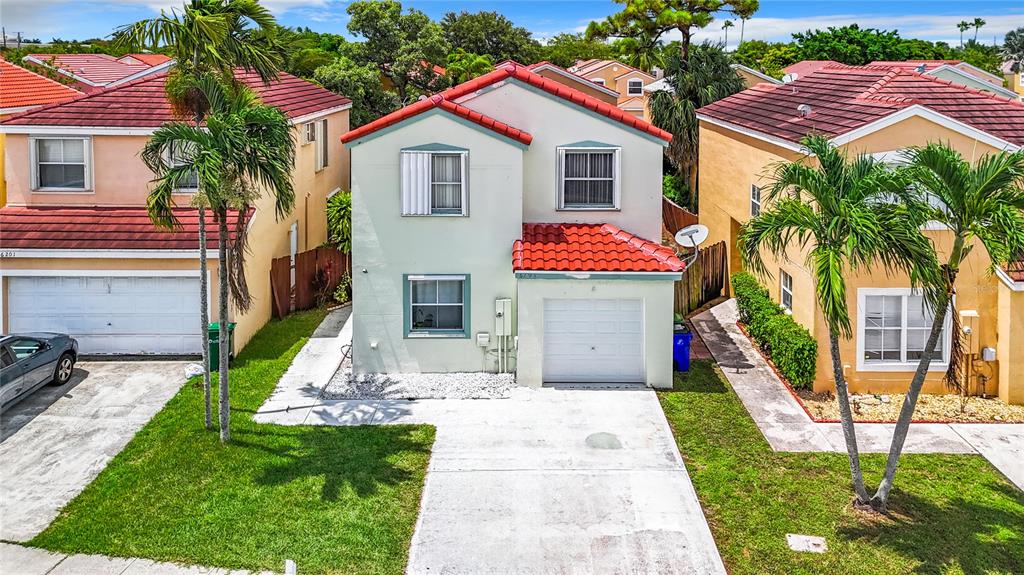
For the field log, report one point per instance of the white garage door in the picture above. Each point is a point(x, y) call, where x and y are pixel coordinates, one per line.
point(593, 340)
point(110, 315)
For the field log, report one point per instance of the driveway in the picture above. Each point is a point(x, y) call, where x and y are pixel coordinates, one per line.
point(57, 440)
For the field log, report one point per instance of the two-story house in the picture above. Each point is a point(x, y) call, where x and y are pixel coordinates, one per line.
point(506, 224)
point(878, 110)
point(625, 80)
point(80, 254)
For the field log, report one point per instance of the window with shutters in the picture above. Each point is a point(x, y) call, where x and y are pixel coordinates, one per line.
point(434, 182)
point(322, 141)
point(588, 178)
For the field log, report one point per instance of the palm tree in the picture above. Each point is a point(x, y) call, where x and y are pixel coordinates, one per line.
point(851, 215)
point(983, 204)
point(1013, 50)
point(977, 24)
point(708, 77)
point(208, 36)
point(642, 51)
point(243, 148)
point(963, 26)
point(743, 27)
point(725, 26)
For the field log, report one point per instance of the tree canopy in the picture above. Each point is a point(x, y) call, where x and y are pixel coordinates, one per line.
point(489, 34)
point(566, 49)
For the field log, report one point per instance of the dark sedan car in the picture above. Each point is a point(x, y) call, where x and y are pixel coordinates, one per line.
point(30, 361)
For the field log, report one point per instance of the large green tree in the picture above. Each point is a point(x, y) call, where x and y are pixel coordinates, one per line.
point(982, 205)
point(490, 34)
point(768, 57)
point(849, 215)
point(707, 77)
point(643, 52)
point(566, 49)
point(654, 18)
point(361, 84)
point(402, 46)
point(851, 45)
point(208, 39)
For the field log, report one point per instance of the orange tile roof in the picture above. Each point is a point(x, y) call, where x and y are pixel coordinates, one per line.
point(589, 248)
point(20, 88)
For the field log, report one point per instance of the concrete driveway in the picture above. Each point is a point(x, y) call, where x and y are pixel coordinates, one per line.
point(56, 441)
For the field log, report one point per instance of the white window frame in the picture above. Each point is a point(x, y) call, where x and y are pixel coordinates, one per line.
point(784, 290)
point(755, 200)
point(172, 163)
point(1020, 78)
point(937, 364)
point(414, 333)
point(616, 152)
point(464, 163)
point(598, 81)
point(322, 145)
point(639, 87)
point(308, 133)
point(33, 144)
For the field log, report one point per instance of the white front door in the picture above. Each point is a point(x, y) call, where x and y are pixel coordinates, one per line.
point(593, 340)
point(110, 315)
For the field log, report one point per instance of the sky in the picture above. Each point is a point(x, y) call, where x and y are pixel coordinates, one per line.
point(776, 20)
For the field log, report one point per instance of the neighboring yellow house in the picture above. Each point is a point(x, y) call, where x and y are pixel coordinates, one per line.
point(877, 111)
point(752, 77)
point(628, 82)
point(79, 253)
point(1014, 80)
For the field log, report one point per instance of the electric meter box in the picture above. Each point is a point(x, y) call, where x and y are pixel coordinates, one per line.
point(502, 317)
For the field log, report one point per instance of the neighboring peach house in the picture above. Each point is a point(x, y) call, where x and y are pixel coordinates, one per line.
point(80, 255)
point(628, 82)
point(511, 224)
point(559, 74)
point(20, 91)
point(879, 111)
point(1015, 80)
point(953, 71)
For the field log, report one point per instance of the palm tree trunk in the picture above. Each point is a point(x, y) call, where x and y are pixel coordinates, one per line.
point(846, 417)
point(881, 499)
point(743, 27)
point(225, 348)
point(204, 313)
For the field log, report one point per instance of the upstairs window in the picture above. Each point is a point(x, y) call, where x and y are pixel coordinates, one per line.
point(60, 164)
point(588, 178)
point(755, 200)
point(434, 182)
point(635, 88)
point(180, 155)
point(308, 133)
point(598, 81)
point(786, 290)
point(321, 141)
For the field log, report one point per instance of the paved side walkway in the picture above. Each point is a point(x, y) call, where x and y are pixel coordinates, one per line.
point(546, 481)
point(787, 427)
point(34, 561)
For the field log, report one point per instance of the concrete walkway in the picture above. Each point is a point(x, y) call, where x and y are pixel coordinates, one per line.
point(546, 481)
point(33, 561)
point(787, 427)
point(56, 441)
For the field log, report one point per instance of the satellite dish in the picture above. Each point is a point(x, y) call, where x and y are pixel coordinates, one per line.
point(790, 77)
point(692, 236)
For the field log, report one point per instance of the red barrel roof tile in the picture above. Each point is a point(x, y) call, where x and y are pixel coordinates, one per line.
point(589, 248)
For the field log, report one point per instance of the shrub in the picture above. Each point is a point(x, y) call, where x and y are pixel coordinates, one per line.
point(339, 221)
point(790, 346)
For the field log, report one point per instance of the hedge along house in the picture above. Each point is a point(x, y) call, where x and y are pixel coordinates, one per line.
point(880, 111)
point(80, 255)
point(500, 226)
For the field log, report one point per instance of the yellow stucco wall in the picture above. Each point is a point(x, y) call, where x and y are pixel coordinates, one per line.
point(731, 162)
point(1015, 82)
point(1010, 348)
point(604, 97)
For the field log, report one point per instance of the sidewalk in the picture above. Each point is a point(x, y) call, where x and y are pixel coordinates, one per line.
point(787, 427)
point(34, 561)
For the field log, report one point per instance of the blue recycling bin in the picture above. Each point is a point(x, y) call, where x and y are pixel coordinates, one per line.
point(681, 338)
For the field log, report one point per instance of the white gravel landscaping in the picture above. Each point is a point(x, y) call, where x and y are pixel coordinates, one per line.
point(418, 385)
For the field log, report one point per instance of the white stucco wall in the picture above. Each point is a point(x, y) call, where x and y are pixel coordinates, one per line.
point(388, 245)
point(553, 123)
point(657, 297)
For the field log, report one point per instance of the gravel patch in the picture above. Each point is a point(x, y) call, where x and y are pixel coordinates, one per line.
point(946, 408)
point(419, 385)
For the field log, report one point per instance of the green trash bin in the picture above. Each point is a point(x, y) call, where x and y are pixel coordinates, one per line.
point(213, 337)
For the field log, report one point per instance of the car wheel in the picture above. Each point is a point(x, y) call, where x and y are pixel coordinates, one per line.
point(65, 367)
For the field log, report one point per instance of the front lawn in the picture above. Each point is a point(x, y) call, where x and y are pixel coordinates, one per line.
point(953, 514)
point(334, 499)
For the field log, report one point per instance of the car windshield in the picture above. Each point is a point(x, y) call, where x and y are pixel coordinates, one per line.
point(23, 348)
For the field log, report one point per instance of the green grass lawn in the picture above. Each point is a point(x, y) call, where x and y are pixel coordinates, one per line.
point(334, 499)
point(952, 513)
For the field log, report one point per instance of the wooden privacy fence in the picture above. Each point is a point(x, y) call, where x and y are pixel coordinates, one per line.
point(316, 273)
point(703, 279)
point(674, 217)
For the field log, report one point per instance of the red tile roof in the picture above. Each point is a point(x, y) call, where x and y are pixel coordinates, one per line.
point(99, 228)
point(97, 69)
point(438, 101)
point(844, 98)
point(523, 74)
point(142, 103)
point(914, 64)
point(20, 88)
point(1016, 271)
point(150, 59)
point(589, 248)
point(805, 67)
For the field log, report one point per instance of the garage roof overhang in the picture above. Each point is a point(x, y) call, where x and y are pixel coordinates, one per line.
point(634, 276)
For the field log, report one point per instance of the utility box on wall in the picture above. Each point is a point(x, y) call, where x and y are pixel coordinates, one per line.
point(502, 317)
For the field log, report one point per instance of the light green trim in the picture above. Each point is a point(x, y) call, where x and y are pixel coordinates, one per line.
point(435, 112)
point(590, 144)
point(435, 147)
point(436, 333)
point(591, 113)
point(629, 276)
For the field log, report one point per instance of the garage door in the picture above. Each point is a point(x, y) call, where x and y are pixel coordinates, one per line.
point(593, 340)
point(110, 315)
